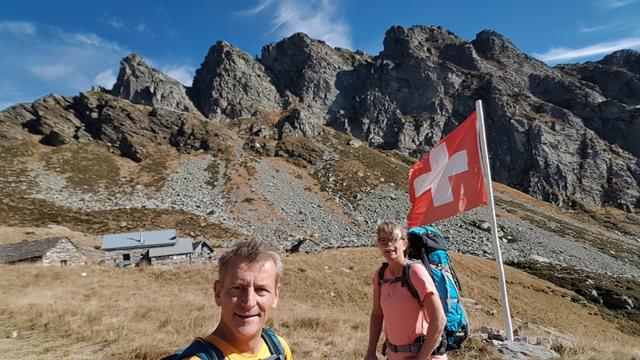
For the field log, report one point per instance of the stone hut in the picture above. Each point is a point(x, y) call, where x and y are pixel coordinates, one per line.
point(58, 251)
point(154, 247)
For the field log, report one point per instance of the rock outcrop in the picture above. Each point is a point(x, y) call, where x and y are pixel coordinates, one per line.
point(51, 117)
point(617, 78)
point(233, 84)
point(142, 84)
point(128, 128)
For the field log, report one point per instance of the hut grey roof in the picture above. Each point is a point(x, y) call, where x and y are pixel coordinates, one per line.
point(198, 243)
point(181, 246)
point(139, 239)
point(26, 250)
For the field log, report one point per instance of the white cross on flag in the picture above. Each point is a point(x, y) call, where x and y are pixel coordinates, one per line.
point(449, 179)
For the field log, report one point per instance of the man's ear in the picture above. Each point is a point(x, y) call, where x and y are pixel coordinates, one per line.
point(217, 290)
point(277, 297)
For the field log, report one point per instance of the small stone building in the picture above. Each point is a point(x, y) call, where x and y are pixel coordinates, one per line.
point(202, 252)
point(58, 251)
point(155, 247)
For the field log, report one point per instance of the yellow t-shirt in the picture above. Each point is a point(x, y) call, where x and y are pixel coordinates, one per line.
point(231, 353)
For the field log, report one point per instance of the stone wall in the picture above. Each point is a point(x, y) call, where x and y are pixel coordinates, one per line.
point(195, 258)
point(64, 253)
point(115, 256)
point(172, 259)
point(203, 256)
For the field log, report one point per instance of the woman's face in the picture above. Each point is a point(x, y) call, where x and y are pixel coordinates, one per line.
point(392, 249)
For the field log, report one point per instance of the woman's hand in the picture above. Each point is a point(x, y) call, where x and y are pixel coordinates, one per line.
point(370, 357)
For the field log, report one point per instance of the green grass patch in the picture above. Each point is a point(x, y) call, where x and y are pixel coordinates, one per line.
point(13, 157)
point(213, 170)
point(585, 283)
point(85, 166)
point(154, 169)
point(361, 169)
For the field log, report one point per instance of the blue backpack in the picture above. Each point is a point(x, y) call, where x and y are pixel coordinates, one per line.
point(207, 351)
point(428, 247)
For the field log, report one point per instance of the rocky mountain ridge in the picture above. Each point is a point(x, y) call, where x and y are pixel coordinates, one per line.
point(562, 134)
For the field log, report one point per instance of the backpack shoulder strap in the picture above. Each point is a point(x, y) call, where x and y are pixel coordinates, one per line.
point(383, 268)
point(406, 280)
point(273, 343)
point(200, 348)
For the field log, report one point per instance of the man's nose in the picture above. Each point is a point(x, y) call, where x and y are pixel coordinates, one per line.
point(249, 298)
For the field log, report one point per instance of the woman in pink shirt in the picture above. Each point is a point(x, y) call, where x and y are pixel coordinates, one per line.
point(413, 329)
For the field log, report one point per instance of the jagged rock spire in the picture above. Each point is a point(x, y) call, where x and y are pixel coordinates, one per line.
point(232, 83)
point(142, 84)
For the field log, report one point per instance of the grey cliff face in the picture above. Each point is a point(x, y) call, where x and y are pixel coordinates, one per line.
point(233, 84)
point(306, 73)
point(616, 76)
point(142, 84)
point(539, 121)
point(628, 60)
point(563, 134)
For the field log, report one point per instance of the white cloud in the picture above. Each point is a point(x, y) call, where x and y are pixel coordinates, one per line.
point(51, 71)
point(316, 18)
point(116, 23)
point(141, 27)
point(256, 9)
point(86, 39)
point(106, 78)
point(182, 73)
point(57, 61)
point(564, 54)
point(615, 25)
point(18, 27)
point(613, 4)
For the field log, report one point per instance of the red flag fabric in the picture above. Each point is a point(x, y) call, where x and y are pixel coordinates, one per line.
point(449, 179)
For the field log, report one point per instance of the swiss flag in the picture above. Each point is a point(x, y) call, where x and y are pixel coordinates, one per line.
point(449, 179)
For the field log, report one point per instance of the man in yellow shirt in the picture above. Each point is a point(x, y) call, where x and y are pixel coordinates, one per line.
point(247, 291)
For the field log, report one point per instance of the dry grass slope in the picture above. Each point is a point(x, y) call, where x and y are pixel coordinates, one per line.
point(56, 313)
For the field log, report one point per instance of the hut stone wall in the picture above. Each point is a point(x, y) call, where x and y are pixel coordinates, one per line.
point(64, 253)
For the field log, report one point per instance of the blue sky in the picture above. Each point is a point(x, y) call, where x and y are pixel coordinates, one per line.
point(65, 47)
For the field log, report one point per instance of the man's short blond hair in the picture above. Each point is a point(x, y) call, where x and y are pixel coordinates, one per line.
point(250, 251)
point(391, 230)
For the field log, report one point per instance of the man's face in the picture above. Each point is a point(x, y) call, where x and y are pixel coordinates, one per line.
point(246, 295)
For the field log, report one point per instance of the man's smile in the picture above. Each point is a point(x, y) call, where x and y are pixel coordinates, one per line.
point(246, 316)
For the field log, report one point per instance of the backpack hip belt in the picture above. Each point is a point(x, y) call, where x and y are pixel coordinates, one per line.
point(406, 348)
point(416, 346)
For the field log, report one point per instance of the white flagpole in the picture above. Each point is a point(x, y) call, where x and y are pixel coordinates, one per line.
point(494, 225)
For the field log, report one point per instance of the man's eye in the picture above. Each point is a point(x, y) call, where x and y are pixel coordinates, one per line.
point(262, 291)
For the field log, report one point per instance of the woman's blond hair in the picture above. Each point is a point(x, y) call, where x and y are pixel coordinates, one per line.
point(392, 230)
